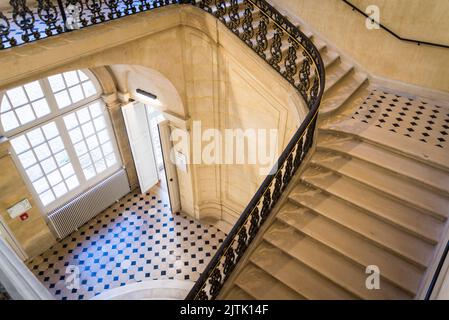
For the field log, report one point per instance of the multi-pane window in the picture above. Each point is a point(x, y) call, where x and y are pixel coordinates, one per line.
point(91, 139)
point(22, 105)
point(71, 87)
point(46, 162)
point(61, 135)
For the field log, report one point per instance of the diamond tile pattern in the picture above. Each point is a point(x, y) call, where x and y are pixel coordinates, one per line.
point(134, 240)
point(413, 118)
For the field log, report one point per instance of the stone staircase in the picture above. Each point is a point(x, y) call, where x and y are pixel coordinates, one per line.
point(358, 203)
point(367, 197)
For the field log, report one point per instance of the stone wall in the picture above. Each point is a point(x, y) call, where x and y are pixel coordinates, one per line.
point(377, 51)
point(198, 69)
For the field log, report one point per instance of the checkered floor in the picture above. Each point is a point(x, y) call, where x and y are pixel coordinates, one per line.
point(134, 240)
point(413, 118)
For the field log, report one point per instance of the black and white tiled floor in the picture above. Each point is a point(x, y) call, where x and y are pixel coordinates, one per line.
point(135, 240)
point(413, 118)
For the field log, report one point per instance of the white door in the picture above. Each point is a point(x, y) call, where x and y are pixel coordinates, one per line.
point(170, 168)
point(141, 145)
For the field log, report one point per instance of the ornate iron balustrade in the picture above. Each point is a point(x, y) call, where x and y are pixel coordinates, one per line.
point(284, 47)
point(262, 28)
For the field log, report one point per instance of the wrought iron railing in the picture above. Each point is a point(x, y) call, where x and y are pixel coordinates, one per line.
point(283, 46)
point(262, 28)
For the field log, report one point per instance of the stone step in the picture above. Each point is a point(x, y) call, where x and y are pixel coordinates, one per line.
point(391, 142)
point(393, 186)
point(329, 264)
point(383, 234)
point(296, 275)
point(350, 245)
point(262, 286)
point(416, 171)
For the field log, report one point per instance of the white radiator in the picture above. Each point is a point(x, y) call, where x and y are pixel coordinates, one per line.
point(87, 205)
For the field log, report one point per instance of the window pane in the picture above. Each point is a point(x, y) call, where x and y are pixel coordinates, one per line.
point(17, 96)
point(85, 161)
point(70, 121)
point(62, 98)
point(99, 123)
point(62, 158)
point(89, 88)
point(25, 114)
point(34, 172)
point(88, 129)
point(50, 130)
point(34, 90)
point(89, 172)
point(110, 160)
point(71, 78)
point(41, 185)
point(95, 110)
point(80, 148)
point(5, 106)
point(76, 135)
point(100, 166)
point(9, 121)
point(76, 93)
point(56, 83)
point(56, 144)
point(72, 182)
point(60, 189)
point(82, 75)
point(20, 144)
point(96, 154)
point(103, 136)
point(83, 115)
point(107, 148)
point(42, 151)
point(36, 137)
point(47, 197)
point(27, 159)
point(41, 108)
point(92, 142)
point(54, 178)
point(67, 170)
point(48, 165)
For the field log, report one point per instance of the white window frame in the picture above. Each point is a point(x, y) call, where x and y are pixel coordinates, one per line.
point(57, 115)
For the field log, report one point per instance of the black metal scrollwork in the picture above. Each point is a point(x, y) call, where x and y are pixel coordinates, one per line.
point(113, 7)
point(129, 7)
point(254, 223)
point(24, 19)
point(229, 263)
point(290, 61)
point(5, 28)
point(95, 8)
point(234, 18)
point(307, 76)
point(247, 24)
point(220, 10)
point(261, 36)
point(241, 243)
point(276, 53)
point(215, 283)
point(206, 5)
point(48, 13)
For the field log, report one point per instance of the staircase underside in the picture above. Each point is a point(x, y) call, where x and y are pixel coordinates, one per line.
point(375, 193)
